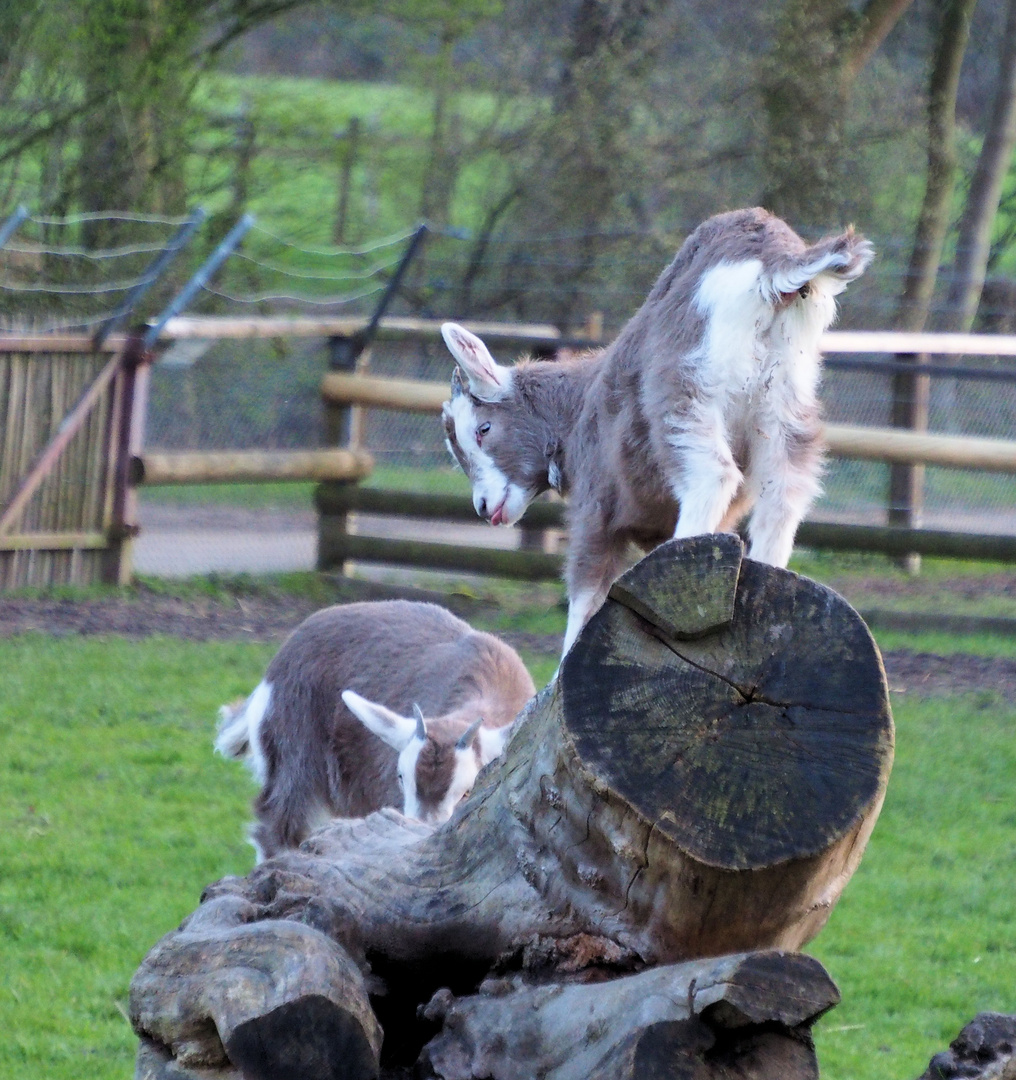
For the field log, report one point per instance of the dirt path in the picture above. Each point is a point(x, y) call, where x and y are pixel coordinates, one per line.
point(268, 618)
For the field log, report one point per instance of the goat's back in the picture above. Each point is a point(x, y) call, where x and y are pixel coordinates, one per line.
point(319, 759)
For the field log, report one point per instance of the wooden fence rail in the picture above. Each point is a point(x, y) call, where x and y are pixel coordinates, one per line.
point(842, 440)
point(47, 525)
point(249, 466)
point(334, 503)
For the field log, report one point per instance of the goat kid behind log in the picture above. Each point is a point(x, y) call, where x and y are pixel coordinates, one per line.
point(326, 731)
point(705, 407)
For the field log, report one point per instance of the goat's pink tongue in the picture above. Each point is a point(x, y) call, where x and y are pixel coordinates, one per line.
point(495, 518)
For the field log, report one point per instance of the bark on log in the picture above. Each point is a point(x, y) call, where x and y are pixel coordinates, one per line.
point(984, 1050)
point(701, 779)
point(691, 1019)
point(274, 999)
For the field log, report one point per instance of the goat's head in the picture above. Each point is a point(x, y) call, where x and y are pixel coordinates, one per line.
point(489, 430)
point(439, 759)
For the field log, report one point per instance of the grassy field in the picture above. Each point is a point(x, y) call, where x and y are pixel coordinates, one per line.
point(115, 813)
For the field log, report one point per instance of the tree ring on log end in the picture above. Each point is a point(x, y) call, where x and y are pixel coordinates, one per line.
point(761, 741)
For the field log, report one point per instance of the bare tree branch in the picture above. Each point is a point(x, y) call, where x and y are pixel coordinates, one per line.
point(877, 20)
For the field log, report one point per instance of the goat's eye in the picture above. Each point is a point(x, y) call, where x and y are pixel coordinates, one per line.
point(481, 431)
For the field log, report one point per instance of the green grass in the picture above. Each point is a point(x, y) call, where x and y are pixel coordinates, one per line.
point(925, 935)
point(114, 814)
point(298, 159)
point(944, 586)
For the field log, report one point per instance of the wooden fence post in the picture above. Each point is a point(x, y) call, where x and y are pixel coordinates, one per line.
point(343, 353)
point(129, 408)
point(911, 392)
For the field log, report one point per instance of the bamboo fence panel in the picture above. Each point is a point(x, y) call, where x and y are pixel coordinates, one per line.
point(56, 540)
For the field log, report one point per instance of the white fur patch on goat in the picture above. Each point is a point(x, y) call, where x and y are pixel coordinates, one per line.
point(492, 742)
point(408, 758)
point(241, 729)
point(729, 298)
point(581, 608)
point(710, 478)
point(467, 768)
point(493, 493)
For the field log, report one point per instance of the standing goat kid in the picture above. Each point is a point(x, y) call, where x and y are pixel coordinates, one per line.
point(327, 731)
point(705, 407)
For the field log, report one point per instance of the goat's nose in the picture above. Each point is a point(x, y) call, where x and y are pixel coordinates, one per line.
point(481, 507)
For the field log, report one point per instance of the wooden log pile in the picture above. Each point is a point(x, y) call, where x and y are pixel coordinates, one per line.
point(622, 895)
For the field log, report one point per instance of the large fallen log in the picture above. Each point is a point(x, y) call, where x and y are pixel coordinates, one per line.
point(701, 779)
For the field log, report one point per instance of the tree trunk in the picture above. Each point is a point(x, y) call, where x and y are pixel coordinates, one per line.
point(933, 222)
point(701, 779)
point(911, 391)
point(973, 244)
point(820, 47)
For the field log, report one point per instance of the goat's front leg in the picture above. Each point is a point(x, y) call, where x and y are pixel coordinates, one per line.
point(706, 477)
point(594, 563)
point(784, 478)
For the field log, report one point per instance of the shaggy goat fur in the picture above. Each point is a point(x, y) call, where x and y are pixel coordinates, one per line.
point(705, 407)
point(328, 733)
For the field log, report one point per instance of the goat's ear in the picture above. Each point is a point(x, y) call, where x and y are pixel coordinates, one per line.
point(394, 729)
point(488, 380)
point(493, 741)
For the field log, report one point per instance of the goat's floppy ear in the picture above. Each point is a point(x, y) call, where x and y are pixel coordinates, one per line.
point(493, 741)
point(488, 380)
point(395, 730)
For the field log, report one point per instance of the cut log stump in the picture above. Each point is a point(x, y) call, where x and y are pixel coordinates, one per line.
point(701, 779)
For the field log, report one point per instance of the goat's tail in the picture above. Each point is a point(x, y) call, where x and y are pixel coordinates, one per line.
point(842, 258)
point(232, 736)
point(238, 735)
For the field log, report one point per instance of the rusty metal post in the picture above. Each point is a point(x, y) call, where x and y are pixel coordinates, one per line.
point(344, 353)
